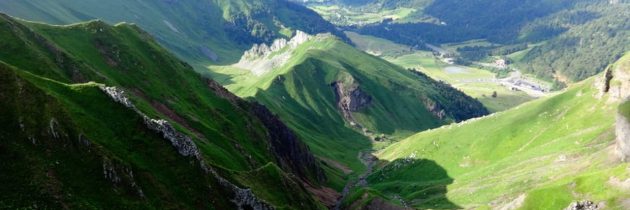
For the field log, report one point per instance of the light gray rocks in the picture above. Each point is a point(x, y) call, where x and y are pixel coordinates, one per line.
point(184, 144)
point(118, 95)
point(262, 58)
point(584, 205)
point(616, 84)
point(53, 124)
point(622, 133)
point(259, 59)
point(245, 199)
point(119, 174)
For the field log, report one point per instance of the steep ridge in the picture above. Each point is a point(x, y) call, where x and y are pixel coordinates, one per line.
point(200, 32)
point(516, 159)
point(147, 132)
point(341, 100)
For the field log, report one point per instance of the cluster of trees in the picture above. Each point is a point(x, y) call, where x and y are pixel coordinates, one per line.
point(586, 48)
point(496, 21)
point(453, 99)
point(476, 53)
point(262, 23)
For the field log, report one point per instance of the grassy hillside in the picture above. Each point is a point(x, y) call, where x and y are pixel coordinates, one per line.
point(62, 138)
point(66, 136)
point(513, 158)
point(477, 83)
point(302, 92)
point(199, 31)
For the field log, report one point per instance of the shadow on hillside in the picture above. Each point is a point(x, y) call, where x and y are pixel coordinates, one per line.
point(417, 183)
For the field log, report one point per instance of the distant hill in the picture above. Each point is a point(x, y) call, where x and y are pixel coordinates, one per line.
point(201, 32)
point(576, 39)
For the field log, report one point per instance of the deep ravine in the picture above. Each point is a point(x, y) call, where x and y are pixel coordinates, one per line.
point(369, 161)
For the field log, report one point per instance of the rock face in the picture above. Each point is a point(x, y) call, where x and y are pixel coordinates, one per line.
point(616, 84)
point(119, 174)
point(350, 98)
point(622, 131)
point(289, 152)
point(184, 144)
point(263, 50)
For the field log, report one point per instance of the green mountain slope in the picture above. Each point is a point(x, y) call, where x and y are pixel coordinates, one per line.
point(340, 100)
point(76, 144)
point(199, 31)
point(543, 154)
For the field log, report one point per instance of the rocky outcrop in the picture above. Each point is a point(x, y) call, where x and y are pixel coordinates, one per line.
point(615, 82)
point(184, 144)
point(263, 50)
point(262, 58)
point(434, 108)
point(585, 205)
point(119, 175)
point(118, 95)
point(242, 198)
point(350, 98)
point(622, 133)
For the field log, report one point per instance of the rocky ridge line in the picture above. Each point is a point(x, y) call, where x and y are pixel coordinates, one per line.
point(262, 58)
point(243, 198)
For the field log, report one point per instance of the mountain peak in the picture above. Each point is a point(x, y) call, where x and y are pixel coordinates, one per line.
point(262, 58)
